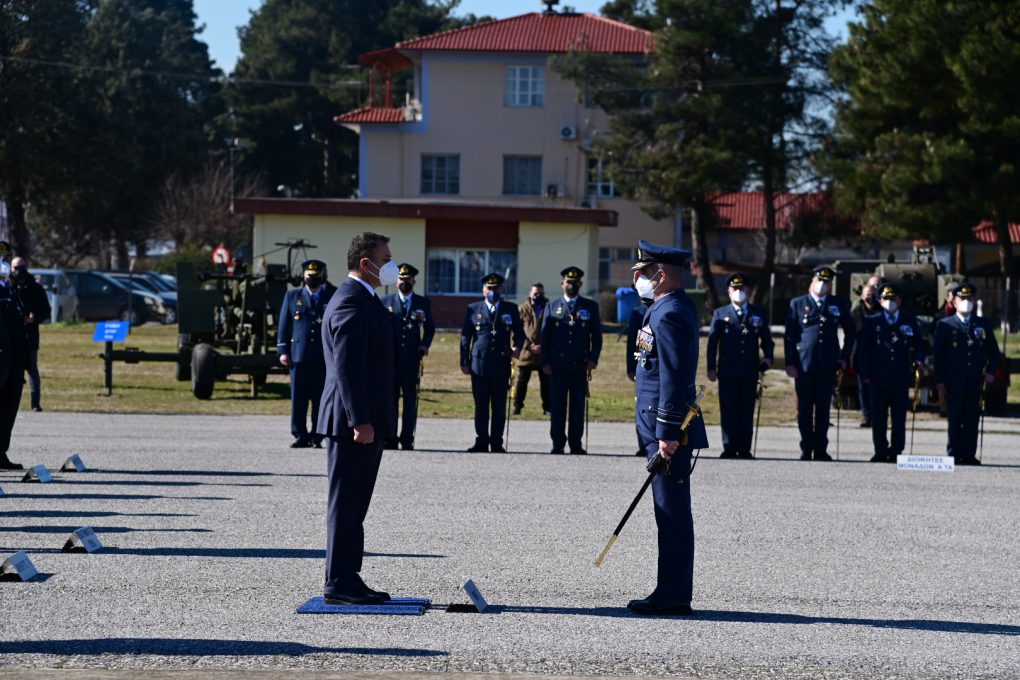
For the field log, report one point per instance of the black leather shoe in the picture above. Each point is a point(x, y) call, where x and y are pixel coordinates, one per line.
point(407, 447)
point(968, 461)
point(354, 596)
point(8, 464)
point(822, 455)
point(578, 452)
point(497, 448)
point(805, 455)
point(300, 443)
point(37, 408)
point(364, 587)
point(641, 453)
point(891, 457)
point(745, 454)
point(865, 423)
point(728, 454)
point(515, 412)
point(557, 452)
point(478, 448)
point(650, 607)
point(390, 444)
point(879, 458)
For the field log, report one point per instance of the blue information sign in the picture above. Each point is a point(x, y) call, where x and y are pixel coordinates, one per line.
point(111, 331)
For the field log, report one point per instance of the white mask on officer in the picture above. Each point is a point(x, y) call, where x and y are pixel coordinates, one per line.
point(645, 287)
point(889, 305)
point(821, 288)
point(738, 296)
point(965, 306)
point(388, 273)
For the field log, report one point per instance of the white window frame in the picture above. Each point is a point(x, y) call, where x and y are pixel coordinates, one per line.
point(432, 157)
point(519, 157)
point(524, 86)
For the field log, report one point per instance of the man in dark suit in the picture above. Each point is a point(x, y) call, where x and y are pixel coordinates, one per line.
point(299, 346)
point(36, 305)
point(966, 355)
point(667, 346)
point(813, 353)
point(866, 308)
point(13, 356)
point(412, 319)
point(571, 345)
point(357, 412)
point(491, 334)
point(740, 348)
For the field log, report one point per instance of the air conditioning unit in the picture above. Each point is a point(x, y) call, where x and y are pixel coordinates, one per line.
point(412, 111)
point(568, 132)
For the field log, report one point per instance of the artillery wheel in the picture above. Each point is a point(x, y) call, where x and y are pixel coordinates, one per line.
point(203, 370)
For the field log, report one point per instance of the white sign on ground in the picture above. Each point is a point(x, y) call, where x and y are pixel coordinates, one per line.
point(476, 596)
point(38, 473)
point(83, 540)
point(73, 464)
point(926, 463)
point(18, 567)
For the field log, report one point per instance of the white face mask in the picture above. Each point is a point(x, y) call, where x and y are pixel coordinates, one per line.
point(645, 287)
point(737, 297)
point(388, 273)
point(821, 288)
point(965, 306)
point(889, 305)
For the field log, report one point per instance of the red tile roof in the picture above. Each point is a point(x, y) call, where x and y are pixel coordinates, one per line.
point(539, 32)
point(746, 210)
point(985, 232)
point(368, 116)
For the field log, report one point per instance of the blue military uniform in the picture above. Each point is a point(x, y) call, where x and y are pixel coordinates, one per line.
point(667, 347)
point(571, 338)
point(491, 332)
point(812, 346)
point(890, 348)
point(299, 336)
point(739, 342)
point(965, 351)
point(412, 318)
point(634, 323)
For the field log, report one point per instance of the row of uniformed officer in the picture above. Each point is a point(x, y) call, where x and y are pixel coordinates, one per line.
point(412, 319)
point(740, 349)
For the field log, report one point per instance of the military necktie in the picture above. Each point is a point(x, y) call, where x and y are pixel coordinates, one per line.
point(403, 306)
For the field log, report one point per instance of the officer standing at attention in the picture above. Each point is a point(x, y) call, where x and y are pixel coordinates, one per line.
point(13, 356)
point(357, 413)
point(531, 311)
point(966, 355)
point(738, 331)
point(491, 334)
point(667, 346)
point(813, 354)
point(571, 344)
point(299, 345)
point(890, 350)
point(36, 306)
point(866, 308)
point(412, 316)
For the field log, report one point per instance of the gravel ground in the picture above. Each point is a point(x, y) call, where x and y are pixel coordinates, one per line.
point(214, 533)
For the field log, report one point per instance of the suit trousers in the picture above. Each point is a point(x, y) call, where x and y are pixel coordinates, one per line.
point(352, 471)
point(10, 401)
point(567, 392)
point(736, 413)
point(306, 383)
point(886, 400)
point(521, 388)
point(864, 397)
point(814, 400)
point(490, 392)
point(963, 409)
point(34, 388)
point(675, 524)
point(407, 391)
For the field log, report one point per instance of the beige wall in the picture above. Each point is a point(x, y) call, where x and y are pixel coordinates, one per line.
point(333, 237)
point(547, 249)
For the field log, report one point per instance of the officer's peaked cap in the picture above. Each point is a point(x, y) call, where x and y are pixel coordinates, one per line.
point(652, 253)
point(965, 290)
point(572, 274)
point(493, 280)
point(407, 271)
point(824, 272)
point(736, 281)
point(313, 266)
point(888, 290)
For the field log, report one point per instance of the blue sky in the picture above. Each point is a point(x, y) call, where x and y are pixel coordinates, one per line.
point(222, 17)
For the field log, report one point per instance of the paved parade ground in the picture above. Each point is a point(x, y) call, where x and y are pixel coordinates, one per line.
point(214, 535)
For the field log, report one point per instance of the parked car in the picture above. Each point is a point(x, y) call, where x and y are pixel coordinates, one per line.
point(103, 298)
point(145, 284)
point(62, 296)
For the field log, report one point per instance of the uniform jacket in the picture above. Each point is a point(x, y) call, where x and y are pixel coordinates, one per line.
point(860, 314)
point(571, 339)
point(33, 299)
point(361, 364)
point(14, 357)
point(964, 353)
point(667, 346)
point(637, 317)
point(811, 342)
point(413, 329)
point(485, 342)
point(532, 322)
point(887, 351)
point(734, 342)
point(300, 331)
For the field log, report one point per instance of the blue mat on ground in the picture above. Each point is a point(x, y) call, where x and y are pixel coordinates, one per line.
point(407, 606)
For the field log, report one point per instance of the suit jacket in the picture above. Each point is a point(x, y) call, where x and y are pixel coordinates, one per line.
point(33, 299)
point(811, 342)
point(486, 341)
point(860, 315)
point(964, 353)
point(299, 334)
point(413, 329)
point(361, 361)
point(532, 322)
point(887, 351)
point(734, 341)
point(571, 339)
point(668, 345)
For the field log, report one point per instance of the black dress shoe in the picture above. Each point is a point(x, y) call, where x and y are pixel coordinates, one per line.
point(650, 607)
point(478, 448)
point(557, 452)
point(641, 453)
point(728, 454)
point(300, 443)
point(879, 458)
point(865, 423)
point(515, 412)
point(354, 596)
point(822, 455)
point(7, 464)
point(407, 447)
point(968, 461)
point(805, 455)
point(390, 444)
point(578, 452)
point(891, 457)
point(745, 454)
point(364, 587)
point(497, 448)
point(37, 408)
